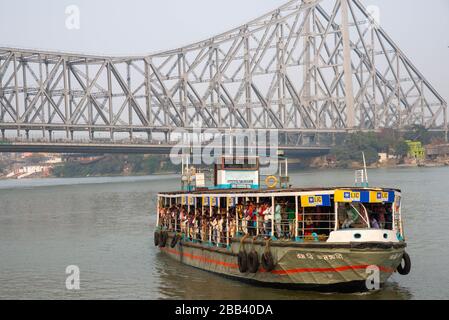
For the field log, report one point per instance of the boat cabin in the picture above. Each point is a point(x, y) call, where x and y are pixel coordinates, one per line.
point(302, 215)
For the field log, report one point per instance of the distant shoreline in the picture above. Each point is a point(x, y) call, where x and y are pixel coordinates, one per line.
point(426, 164)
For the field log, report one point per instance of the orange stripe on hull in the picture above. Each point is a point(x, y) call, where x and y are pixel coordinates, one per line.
point(338, 269)
point(279, 272)
point(203, 259)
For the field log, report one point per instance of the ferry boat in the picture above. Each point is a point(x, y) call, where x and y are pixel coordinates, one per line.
point(325, 239)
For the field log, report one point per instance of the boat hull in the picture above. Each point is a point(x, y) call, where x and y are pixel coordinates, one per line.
point(309, 266)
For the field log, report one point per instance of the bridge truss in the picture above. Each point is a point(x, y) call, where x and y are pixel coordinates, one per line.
point(310, 67)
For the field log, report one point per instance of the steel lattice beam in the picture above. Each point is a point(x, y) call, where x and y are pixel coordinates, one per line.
point(301, 69)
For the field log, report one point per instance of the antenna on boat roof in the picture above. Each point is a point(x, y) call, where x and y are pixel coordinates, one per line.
point(361, 176)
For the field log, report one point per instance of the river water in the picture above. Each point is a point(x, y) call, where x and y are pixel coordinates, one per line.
point(105, 227)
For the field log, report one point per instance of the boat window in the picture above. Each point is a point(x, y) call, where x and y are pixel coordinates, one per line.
point(229, 163)
point(380, 215)
point(358, 215)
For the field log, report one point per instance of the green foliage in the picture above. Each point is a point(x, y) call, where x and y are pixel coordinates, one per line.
point(356, 143)
point(401, 149)
point(349, 149)
point(110, 166)
point(419, 133)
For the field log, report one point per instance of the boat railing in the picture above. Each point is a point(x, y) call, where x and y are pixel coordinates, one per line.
point(316, 229)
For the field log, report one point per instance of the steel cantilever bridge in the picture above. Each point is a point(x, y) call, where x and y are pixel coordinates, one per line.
point(310, 69)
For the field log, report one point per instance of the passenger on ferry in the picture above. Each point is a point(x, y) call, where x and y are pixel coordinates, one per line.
point(381, 213)
point(284, 215)
point(309, 226)
point(260, 217)
point(204, 228)
point(373, 222)
point(253, 230)
point(278, 220)
point(192, 224)
point(291, 221)
point(351, 216)
point(232, 225)
point(268, 220)
point(197, 226)
point(183, 221)
point(220, 228)
point(214, 227)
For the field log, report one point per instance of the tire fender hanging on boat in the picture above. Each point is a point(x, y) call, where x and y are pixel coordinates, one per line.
point(267, 258)
point(405, 270)
point(156, 238)
point(174, 240)
point(242, 257)
point(163, 239)
point(243, 261)
point(253, 262)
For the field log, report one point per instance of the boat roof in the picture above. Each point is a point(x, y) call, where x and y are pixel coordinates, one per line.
point(271, 191)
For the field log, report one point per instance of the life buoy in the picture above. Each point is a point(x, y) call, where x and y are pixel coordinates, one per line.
point(271, 181)
point(174, 241)
point(163, 239)
point(243, 261)
point(405, 270)
point(268, 261)
point(253, 262)
point(156, 238)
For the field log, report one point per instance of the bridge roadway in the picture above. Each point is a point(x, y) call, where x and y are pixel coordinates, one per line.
point(127, 148)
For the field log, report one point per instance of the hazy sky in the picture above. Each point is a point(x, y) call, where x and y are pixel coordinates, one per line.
point(133, 27)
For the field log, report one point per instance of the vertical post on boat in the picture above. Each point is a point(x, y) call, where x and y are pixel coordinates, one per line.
point(336, 214)
point(210, 221)
point(257, 216)
point(188, 212)
point(401, 227)
point(296, 217)
point(219, 212)
point(194, 209)
point(176, 220)
point(227, 221)
point(237, 224)
point(203, 236)
point(303, 220)
point(273, 209)
point(187, 222)
point(157, 211)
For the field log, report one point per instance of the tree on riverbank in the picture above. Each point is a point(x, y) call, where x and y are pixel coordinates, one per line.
point(392, 142)
point(352, 147)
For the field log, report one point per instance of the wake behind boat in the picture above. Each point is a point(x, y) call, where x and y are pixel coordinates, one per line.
point(342, 238)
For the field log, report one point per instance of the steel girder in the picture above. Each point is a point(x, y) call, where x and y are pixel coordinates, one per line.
point(308, 67)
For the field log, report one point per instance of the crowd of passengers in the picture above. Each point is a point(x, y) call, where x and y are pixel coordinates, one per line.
point(252, 219)
point(257, 219)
